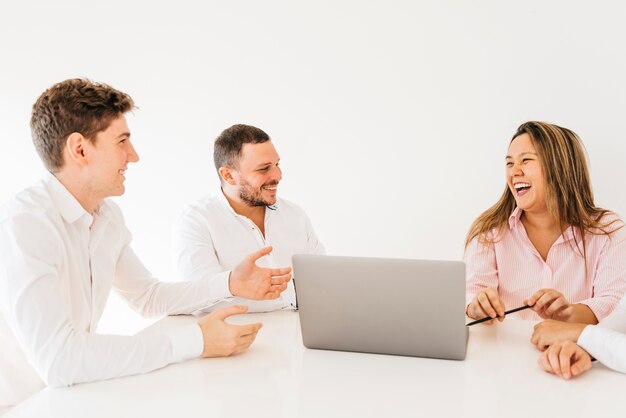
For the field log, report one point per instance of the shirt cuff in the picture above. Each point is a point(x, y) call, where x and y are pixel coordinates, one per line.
point(187, 342)
point(600, 306)
point(219, 286)
point(587, 338)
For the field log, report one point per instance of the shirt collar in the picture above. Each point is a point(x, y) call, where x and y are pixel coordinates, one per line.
point(69, 208)
point(515, 218)
point(569, 234)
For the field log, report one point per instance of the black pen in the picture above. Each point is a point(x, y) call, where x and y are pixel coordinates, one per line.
point(478, 321)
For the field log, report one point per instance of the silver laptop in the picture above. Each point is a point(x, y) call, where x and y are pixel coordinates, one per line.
point(386, 306)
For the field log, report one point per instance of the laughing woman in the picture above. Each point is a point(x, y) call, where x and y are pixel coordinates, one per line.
point(544, 243)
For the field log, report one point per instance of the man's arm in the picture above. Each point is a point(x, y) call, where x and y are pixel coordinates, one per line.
point(150, 296)
point(606, 345)
point(39, 315)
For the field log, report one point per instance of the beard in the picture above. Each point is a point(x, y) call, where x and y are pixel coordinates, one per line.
point(253, 196)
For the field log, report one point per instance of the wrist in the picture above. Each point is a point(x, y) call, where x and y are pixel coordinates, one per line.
point(579, 328)
point(582, 315)
point(232, 285)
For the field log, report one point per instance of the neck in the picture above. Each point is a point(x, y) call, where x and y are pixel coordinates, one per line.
point(74, 183)
point(242, 208)
point(541, 220)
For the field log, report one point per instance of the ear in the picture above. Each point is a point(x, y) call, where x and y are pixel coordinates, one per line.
point(226, 173)
point(75, 148)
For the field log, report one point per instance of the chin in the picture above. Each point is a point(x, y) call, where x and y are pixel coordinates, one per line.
point(119, 192)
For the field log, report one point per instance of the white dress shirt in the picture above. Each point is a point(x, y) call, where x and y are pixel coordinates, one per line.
point(607, 341)
point(57, 266)
point(210, 237)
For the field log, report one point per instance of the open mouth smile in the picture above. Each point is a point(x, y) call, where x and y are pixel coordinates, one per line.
point(521, 188)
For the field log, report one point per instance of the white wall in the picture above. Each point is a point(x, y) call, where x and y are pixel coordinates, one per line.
point(391, 117)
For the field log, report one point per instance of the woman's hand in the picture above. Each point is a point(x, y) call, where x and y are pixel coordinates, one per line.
point(485, 304)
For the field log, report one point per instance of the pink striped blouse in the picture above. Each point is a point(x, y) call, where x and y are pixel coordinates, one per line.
point(514, 267)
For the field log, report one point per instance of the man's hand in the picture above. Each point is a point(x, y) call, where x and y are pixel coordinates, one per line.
point(247, 280)
point(565, 359)
point(548, 332)
point(486, 303)
point(222, 339)
point(550, 304)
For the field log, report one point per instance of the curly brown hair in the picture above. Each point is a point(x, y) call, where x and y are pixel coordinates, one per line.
point(74, 105)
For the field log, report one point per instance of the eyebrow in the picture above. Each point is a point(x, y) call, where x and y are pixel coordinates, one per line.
point(125, 134)
point(263, 165)
point(523, 153)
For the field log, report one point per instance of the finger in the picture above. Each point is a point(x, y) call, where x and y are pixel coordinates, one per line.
point(280, 271)
point(248, 329)
point(279, 280)
point(245, 343)
point(556, 305)
point(252, 257)
point(531, 300)
point(544, 301)
point(582, 363)
point(223, 313)
point(553, 358)
point(485, 305)
point(275, 289)
point(535, 337)
point(544, 363)
point(564, 359)
point(248, 337)
point(494, 300)
point(474, 310)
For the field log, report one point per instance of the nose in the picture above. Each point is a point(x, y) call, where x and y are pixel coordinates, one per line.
point(516, 170)
point(278, 174)
point(132, 156)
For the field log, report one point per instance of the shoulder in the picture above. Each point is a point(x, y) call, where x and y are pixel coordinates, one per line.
point(33, 202)
point(206, 206)
point(609, 223)
point(201, 214)
point(288, 207)
point(30, 222)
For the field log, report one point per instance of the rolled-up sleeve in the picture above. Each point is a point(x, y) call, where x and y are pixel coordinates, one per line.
point(609, 277)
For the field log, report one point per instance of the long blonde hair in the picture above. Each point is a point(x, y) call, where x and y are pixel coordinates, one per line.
point(569, 198)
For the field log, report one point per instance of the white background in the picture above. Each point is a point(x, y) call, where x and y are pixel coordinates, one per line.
point(392, 118)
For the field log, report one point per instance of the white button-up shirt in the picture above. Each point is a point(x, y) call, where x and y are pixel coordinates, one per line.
point(607, 340)
point(58, 264)
point(210, 237)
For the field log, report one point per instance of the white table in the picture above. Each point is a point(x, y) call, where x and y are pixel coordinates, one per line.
point(278, 377)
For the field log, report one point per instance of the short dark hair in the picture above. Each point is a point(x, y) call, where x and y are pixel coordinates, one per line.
point(227, 147)
point(75, 105)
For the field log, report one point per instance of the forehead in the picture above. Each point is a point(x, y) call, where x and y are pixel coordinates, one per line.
point(520, 145)
point(255, 154)
point(116, 128)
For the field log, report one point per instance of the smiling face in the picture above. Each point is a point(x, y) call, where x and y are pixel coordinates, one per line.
point(524, 175)
point(108, 156)
point(258, 174)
